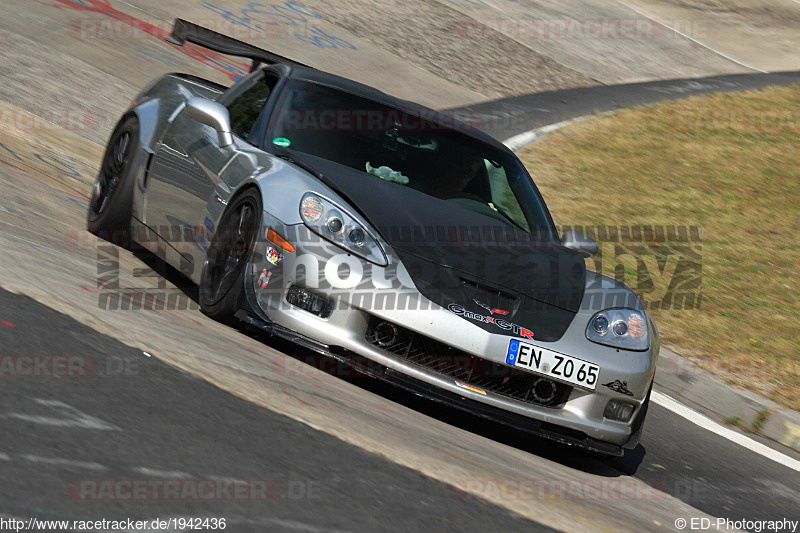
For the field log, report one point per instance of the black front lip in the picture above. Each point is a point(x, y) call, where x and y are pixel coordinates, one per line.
point(522, 423)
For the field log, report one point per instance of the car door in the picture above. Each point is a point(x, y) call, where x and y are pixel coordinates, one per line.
point(188, 162)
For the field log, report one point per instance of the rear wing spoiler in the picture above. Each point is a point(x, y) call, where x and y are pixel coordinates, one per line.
point(184, 31)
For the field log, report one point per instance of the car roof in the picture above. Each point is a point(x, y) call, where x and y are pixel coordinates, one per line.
point(321, 77)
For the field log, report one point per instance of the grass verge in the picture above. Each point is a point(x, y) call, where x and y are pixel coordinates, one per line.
point(727, 164)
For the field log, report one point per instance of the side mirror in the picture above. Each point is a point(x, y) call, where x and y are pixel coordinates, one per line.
point(211, 114)
point(579, 242)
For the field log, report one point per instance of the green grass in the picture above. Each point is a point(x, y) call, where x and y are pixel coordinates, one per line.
point(727, 163)
point(759, 420)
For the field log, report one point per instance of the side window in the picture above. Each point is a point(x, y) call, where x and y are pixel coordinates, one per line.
point(503, 198)
point(246, 108)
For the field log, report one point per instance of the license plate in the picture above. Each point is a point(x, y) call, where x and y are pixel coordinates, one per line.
point(552, 364)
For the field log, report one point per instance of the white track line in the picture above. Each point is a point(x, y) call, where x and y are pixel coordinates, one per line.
point(729, 58)
point(706, 423)
point(523, 139)
point(166, 474)
point(58, 461)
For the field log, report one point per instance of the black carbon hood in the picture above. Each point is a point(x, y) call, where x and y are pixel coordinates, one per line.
point(461, 259)
point(500, 291)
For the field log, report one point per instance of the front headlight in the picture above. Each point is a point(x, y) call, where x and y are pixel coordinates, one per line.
point(620, 328)
point(337, 225)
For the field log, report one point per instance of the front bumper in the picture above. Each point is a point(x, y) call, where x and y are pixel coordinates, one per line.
point(560, 434)
point(383, 293)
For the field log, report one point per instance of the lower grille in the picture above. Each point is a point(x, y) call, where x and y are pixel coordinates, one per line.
point(443, 359)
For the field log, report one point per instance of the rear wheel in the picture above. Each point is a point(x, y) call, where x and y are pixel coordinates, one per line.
point(110, 204)
point(222, 280)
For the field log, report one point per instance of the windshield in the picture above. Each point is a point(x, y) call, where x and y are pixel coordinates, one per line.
point(385, 143)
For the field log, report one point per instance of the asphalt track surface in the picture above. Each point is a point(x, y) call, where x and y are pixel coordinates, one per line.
point(507, 117)
point(150, 422)
point(171, 426)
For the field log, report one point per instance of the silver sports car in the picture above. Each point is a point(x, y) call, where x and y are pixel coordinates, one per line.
point(382, 234)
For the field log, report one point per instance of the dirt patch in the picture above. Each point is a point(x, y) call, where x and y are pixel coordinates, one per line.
point(54, 86)
point(433, 37)
point(762, 15)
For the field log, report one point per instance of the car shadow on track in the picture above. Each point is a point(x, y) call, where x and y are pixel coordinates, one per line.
point(169, 273)
point(569, 456)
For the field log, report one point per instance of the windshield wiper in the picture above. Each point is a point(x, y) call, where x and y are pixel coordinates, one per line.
point(508, 217)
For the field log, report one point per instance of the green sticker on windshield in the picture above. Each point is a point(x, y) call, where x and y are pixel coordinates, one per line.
point(282, 141)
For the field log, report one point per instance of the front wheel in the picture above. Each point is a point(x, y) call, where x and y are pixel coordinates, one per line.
point(110, 204)
point(222, 280)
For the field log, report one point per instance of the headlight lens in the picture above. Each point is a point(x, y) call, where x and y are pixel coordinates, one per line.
point(357, 236)
point(620, 328)
point(335, 224)
point(600, 324)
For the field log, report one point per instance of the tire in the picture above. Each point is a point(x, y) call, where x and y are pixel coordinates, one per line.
point(222, 280)
point(111, 201)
